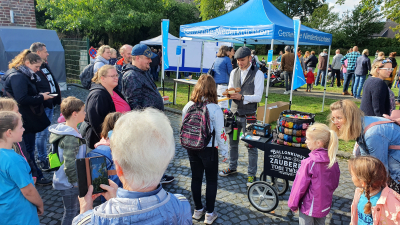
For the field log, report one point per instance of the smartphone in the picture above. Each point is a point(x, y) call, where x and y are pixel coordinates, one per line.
point(53, 95)
point(98, 173)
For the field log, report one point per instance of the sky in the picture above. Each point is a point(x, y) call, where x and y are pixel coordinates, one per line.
point(348, 5)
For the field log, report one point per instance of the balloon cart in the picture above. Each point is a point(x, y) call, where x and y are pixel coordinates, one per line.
point(280, 166)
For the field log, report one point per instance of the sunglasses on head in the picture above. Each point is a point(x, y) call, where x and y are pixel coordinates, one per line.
point(386, 61)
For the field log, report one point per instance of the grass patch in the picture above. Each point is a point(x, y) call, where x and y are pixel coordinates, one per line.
point(300, 103)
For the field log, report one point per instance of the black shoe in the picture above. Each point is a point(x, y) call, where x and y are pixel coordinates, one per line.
point(167, 179)
point(44, 165)
point(43, 181)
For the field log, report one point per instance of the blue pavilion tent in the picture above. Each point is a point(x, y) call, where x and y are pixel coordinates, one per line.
point(256, 22)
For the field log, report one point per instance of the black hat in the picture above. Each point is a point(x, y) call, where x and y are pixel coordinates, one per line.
point(242, 52)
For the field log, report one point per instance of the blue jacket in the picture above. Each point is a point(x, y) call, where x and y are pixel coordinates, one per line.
point(100, 61)
point(157, 207)
point(363, 65)
point(378, 139)
point(222, 69)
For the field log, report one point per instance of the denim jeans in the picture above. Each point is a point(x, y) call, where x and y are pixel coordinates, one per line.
point(154, 73)
point(348, 77)
point(71, 205)
point(43, 137)
point(200, 162)
point(323, 72)
point(29, 139)
point(358, 85)
point(288, 80)
point(234, 150)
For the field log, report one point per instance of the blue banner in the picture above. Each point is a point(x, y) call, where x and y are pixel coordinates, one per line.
point(270, 55)
point(298, 77)
point(165, 31)
point(178, 50)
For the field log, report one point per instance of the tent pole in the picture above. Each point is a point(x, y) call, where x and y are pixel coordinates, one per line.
point(202, 53)
point(162, 66)
point(326, 77)
point(268, 80)
point(177, 70)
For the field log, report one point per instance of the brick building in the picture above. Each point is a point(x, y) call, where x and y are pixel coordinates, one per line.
point(23, 13)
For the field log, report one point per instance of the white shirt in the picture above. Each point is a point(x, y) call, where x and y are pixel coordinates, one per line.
point(217, 123)
point(258, 85)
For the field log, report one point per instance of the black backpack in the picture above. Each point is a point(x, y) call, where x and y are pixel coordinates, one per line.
point(86, 76)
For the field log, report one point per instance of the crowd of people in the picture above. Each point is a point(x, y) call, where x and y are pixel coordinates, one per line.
point(127, 126)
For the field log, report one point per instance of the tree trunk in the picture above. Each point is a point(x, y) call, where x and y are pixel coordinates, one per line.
point(110, 39)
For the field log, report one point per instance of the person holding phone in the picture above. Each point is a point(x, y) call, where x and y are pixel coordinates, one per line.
point(71, 146)
point(20, 83)
point(142, 146)
point(47, 83)
point(20, 202)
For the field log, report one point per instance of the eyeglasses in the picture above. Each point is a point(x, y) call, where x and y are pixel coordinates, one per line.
point(333, 119)
point(113, 76)
point(388, 69)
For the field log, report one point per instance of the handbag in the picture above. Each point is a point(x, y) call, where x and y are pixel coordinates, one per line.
point(54, 159)
point(211, 71)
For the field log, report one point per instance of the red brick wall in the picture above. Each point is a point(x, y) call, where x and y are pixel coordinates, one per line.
point(24, 13)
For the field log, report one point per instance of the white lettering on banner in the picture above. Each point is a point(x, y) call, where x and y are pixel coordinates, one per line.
point(304, 36)
point(227, 31)
point(285, 162)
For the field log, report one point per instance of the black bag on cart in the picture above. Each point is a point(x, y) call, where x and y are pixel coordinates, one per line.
point(291, 128)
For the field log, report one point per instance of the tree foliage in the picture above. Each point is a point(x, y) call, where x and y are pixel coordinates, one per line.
point(302, 8)
point(211, 8)
point(323, 19)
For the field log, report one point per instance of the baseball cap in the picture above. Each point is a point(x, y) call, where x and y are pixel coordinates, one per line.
point(142, 49)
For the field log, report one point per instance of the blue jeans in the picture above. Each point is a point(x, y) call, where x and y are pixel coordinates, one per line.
point(43, 137)
point(71, 205)
point(154, 73)
point(358, 85)
point(323, 72)
point(349, 76)
point(29, 139)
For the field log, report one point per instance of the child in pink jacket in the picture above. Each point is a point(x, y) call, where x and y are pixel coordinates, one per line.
point(374, 202)
point(317, 177)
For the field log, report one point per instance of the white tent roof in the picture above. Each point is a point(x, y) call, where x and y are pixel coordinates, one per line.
point(158, 40)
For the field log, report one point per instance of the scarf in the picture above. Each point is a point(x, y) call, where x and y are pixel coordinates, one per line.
point(28, 72)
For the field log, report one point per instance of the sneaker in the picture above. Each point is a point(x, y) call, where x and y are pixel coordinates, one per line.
point(167, 179)
point(44, 165)
point(250, 180)
point(227, 172)
point(199, 213)
point(286, 92)
point(210, 217)
point(43, 181)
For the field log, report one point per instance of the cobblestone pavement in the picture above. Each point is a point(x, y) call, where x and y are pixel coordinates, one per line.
point(232, 203)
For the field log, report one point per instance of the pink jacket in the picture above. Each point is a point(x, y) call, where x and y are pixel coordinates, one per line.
point(386, 211)
point(313, 187)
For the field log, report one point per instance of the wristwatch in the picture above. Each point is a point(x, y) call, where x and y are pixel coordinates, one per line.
point(242, 98)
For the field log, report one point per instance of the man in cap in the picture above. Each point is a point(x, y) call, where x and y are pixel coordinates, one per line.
point(251, 82)
point(126, 59)
point(287, 63)
point(138, 86)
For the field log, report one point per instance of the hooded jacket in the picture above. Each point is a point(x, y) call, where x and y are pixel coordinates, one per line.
point(322, 58)
point(311, 61)
point(48, 83)
point(313, 187)
point(139, 89)
point(23, 89)
point(386, 211)
point(100, 61)
point(98, 105)
point(119, 65)
point(129, 207)
point(71, 146)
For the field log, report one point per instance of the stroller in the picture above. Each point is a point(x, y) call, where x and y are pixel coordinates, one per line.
point(277, 78)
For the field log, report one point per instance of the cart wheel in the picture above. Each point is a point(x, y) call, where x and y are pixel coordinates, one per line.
point(280, 185)
point(262, 196)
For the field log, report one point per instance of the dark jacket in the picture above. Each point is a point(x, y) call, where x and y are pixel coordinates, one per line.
point(99, 103)
point(363, 65)
point(119, 65)
point(375, 99)
point(155, 62)
point(311, 61)
point(24, 91)
point(139, 89)
point(48, 83)
point(20, 149)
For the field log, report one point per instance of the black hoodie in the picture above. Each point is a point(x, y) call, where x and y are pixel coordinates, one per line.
point(98, 105)
point(48, 83)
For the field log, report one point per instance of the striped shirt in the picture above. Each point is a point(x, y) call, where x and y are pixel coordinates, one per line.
point(351, 60)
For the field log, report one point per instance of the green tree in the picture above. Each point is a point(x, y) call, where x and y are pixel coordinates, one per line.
point(323, 19)
point(100, 16)
point(389, 8)
point(211, 8)
point(359, 25)
point(292, 8)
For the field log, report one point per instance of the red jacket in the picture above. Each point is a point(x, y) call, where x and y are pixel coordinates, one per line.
point(310, 78)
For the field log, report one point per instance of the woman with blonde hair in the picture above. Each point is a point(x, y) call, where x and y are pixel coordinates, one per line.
point(206, 160)
point(20, 84)
point(349, 122)
point(376, 96)
point(103, 99)
point(102, 58)
point(363, 65)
